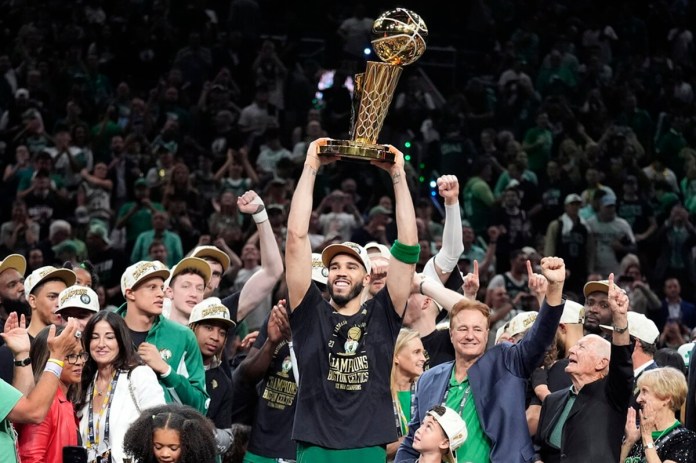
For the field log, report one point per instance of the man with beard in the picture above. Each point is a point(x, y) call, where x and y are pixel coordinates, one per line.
point(42, 289)
point(597, 309)
point(345, 348)
point(12, 299)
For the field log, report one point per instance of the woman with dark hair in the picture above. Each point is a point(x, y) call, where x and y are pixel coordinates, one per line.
point(86, 275)
point(45, 441)
point(172, 433)
point(112, 381)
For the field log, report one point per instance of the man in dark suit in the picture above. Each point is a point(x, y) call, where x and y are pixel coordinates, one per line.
point(673, 306)
point(488, 388)
point(585, 423)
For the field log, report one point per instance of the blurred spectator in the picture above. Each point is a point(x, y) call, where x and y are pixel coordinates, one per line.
point(569, 238)
point(21, 232)
point(237, 173)
point(643, 299)
point(674, 307)
point(341, 219)
point(94, 193)
point(136, 216)
point(612, 235)
point(676, 237)
point(159, 232)
point(537, 144)
point(271, 152)
point(477, 198)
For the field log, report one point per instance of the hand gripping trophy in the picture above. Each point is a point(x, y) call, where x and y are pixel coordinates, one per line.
point(398, 40)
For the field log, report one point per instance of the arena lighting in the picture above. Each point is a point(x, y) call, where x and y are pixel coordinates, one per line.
point(407, 157)
point(407, 144)
point(433, 184)
point(367, 51)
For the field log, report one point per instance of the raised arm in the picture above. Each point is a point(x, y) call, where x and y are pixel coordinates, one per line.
point(618, 302)
point(526, 355)
point(298, 250)
point(445, 261)
point(262, 282)
point(34, 407)
point(406, 250)
point(17, 340)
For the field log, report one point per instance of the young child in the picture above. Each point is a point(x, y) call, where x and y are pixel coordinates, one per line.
point(171, 434)
point(442, 432)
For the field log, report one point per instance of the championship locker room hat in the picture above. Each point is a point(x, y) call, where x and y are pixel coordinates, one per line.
point(78, 297)
point(48, 273)
point(213, 253)
point(320, 274)
point(347, 247)
point(211, 309)
point(141, 271)
point(190, 262)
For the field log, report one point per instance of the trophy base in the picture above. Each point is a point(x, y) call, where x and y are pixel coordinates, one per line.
point(357, 151)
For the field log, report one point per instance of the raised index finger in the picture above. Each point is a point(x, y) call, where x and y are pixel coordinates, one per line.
point(611, 283)
point(476, 274)
point(530, 272)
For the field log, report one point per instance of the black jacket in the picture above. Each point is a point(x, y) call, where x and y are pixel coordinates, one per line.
point(595, 424)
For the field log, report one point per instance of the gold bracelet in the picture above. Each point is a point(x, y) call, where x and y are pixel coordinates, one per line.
point(60, 363)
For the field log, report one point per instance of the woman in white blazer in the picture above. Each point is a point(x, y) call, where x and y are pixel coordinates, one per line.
point(114, 387)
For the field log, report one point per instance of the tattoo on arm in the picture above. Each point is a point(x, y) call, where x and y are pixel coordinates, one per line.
point(396, 178)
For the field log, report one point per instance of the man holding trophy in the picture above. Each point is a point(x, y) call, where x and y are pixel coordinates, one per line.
point(345, 348)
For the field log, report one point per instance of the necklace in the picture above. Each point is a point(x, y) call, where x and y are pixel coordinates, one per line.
point(665, 431)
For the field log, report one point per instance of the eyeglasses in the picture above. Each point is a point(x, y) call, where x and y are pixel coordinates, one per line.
point(73, 358)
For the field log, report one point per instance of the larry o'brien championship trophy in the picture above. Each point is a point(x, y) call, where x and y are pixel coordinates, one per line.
point(398, 40)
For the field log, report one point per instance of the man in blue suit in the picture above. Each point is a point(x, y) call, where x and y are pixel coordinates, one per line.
point(673, 306)
point(488, 388)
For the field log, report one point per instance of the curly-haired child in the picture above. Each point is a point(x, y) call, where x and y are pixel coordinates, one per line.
point(172, 434)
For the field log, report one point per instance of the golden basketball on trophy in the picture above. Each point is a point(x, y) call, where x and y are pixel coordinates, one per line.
point(398, 38)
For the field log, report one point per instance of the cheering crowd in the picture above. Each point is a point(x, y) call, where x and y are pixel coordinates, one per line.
point(183, 277)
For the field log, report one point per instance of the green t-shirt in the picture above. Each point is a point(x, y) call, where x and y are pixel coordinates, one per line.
point(9, 397)
point(478, 200)
point(540, 154)
point(253, 458)
point(477, 448)
point(140, 221)
point(314, 454)
point(405, 402)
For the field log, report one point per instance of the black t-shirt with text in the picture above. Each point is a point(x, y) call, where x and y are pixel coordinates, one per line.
point(275, 409)
point(344, 400)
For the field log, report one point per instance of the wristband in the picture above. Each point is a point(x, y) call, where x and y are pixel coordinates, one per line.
point(53, 368)
point(60, 363)
point(166, 373)
point(262, 215)
point(405, 253)
point(650, 445)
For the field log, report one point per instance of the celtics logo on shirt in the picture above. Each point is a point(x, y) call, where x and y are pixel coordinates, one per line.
point(348, 365)
point(285, 367)
point(280, 389)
